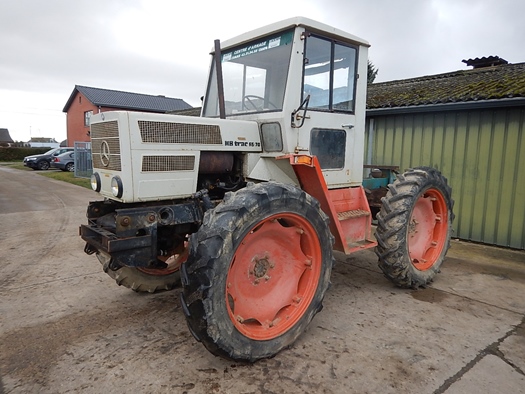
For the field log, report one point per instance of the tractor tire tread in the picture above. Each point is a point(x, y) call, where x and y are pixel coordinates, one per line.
point(392, 222)
point(140, 281)
point(216, 238)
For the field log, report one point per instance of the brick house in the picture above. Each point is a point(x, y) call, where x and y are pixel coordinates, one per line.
point(85, 101)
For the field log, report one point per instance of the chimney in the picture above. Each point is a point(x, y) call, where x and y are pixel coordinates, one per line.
point(481, 62)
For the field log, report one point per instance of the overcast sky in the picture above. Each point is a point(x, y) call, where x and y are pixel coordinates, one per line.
point(162, 47)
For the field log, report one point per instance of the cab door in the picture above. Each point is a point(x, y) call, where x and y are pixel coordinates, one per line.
point(328, 132)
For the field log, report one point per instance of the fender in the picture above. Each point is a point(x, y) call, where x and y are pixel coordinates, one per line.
point(347, 208)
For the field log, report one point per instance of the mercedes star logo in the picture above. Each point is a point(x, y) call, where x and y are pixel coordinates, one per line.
point(104, 153)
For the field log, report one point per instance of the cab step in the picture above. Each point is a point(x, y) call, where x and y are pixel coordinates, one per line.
point(352, 214)
point(347, 208)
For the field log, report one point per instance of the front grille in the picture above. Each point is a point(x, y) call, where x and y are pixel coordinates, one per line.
point(113, 145)
point(104, 130)
point(114, 162)
point(106, 133)
point(168, 163)
point(179, 133)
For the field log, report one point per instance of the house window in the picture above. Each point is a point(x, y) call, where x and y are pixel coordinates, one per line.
point(87, 118)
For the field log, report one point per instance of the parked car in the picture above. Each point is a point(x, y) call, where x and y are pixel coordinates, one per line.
point(64, 162)
point(43, 161)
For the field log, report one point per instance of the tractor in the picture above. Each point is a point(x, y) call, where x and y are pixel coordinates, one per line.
point(245, 204)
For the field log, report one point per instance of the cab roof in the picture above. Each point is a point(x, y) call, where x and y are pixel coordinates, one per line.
point(309, 24)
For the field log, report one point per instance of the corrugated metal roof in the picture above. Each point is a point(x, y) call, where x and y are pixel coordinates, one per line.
point(489, 83)
point(128, 100)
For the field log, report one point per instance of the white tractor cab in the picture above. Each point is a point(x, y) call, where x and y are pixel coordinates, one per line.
point(244, 204)
point(302, 85)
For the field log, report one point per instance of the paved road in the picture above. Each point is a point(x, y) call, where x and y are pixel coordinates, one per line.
point(65, 326)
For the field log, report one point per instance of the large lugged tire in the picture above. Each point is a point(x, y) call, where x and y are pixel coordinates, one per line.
point(143, 279)
point(414, 227)
point(257, 272)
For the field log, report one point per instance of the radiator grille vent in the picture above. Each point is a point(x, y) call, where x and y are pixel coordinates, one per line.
point(105, 145)
point(113, 145)
point(114, 162)
point(104, 130)
point(179, 133)
point(168, 163)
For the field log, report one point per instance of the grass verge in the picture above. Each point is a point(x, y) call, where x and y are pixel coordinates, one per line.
point(58, 175)
point(66, 177)
point(15, 164)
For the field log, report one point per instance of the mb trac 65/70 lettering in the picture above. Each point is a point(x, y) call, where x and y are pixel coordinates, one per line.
point(245, 204)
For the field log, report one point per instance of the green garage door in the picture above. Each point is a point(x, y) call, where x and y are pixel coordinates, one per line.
point(481, 152)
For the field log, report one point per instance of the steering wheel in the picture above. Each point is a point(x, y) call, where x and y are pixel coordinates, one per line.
point(249, 99)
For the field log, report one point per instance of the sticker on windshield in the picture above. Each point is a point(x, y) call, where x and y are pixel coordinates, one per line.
point(274, 42)
point(256, 47)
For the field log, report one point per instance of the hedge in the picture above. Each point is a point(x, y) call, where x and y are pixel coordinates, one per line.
point(18, 154)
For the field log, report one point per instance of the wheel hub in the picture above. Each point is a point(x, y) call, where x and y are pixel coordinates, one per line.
point(261, 267)
point(273, 276)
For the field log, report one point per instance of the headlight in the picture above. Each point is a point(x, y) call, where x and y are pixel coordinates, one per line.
point(116, 186)
point(31, 159)
point(95, 182)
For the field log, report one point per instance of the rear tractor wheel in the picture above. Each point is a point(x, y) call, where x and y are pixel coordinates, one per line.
point(414, 227)
point(257, 272)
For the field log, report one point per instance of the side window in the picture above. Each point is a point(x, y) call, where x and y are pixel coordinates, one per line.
point(344, 78)
point(329, 145)
point(329, 74)
point(317, 72)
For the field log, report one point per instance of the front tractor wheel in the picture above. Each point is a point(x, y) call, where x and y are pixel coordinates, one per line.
point(148, 280)
point(258, 270)
point(414, 227)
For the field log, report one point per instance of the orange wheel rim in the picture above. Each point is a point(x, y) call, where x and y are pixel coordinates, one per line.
point(174, 262)
point(427, 229)
point(273, 276)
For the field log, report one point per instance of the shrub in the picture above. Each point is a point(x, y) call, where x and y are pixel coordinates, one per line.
point(18, 154)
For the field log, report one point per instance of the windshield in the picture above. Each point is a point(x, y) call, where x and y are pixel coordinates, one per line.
point(254, 76)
